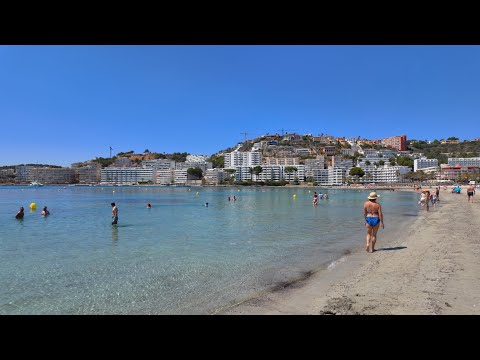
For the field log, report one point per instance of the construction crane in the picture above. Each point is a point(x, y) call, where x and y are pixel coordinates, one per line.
point(111, 151)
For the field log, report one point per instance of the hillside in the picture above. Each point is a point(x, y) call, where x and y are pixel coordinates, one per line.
point(442, 152)
point(288, 148)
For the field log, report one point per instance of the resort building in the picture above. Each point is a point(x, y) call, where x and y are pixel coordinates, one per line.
point(24, 173)
point(127, 175)
point(424, 163)
point(214, 176)
point(159, 164)
point(473, 161)
point(453, 172)
point(244, 158)
point(166, 176)
point(47, 175)
point(90, 174)
point(290, 161)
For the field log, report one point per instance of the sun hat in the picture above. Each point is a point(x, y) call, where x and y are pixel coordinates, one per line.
point(373, 195)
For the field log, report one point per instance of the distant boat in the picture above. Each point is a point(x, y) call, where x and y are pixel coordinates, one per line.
point(35, 183)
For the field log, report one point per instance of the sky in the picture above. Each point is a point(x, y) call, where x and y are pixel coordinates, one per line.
point(64, 104)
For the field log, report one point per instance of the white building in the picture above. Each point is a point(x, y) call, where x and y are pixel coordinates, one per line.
point(214, 176)
point(126, 175)
point(166, 176)
point(473, 161)
point(24, 173)
point(384, 174)
point(159, 164)
point(287, 161)
point(244, 158)
point(181, 176)
point(90, 174)
point(424, 163)
point(335, 176)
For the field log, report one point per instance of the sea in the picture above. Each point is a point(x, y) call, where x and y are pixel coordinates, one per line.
point(180, 256)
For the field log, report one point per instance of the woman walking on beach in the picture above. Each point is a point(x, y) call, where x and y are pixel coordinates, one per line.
point(372, 212)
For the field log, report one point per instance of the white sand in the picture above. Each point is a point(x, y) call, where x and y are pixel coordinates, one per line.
point(433, 269)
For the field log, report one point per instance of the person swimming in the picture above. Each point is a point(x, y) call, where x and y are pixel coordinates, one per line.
point(149, 206)
point(206, 205)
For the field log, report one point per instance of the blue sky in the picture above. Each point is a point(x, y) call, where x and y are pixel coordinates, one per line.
point(63, 104)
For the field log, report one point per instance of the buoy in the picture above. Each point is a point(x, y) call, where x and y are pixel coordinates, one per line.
point(33, 206)
point(294, 196)
point(113, 190)
point(197, 193)
point(238, 190)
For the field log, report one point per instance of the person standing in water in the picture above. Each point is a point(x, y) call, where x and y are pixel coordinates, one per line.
point(45, 212)
point(315, 199)
point(372, 212)
point(114, 214)
point(20, 214)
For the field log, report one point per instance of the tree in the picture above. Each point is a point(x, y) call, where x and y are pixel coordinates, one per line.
point(405, 161)
point(290, 169)
point(196, 173)
point(381, 163)
point(146, 151)
point(357, 171)
point(309, 179)
point(367, 162)
point(392, 161)
point(257, 170)
point(179, 157)
point(218, 161)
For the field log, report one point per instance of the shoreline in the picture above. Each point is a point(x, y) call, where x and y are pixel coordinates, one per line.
point(431, 269)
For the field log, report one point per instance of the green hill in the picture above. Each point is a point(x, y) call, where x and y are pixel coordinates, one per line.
point(442, 152)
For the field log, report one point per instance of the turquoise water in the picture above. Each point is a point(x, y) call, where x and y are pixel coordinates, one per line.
point(178, 257)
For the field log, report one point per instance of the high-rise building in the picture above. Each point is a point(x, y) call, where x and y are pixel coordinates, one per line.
point(396, 142)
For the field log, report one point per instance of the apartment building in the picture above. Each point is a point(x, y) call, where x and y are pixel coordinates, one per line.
point(214, 176)
point(396, 142)
point(242, 158)
point(424, 163)
point(127, 175)
point(473, 161)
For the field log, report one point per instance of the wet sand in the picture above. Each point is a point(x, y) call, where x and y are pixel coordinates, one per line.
point(433, 268)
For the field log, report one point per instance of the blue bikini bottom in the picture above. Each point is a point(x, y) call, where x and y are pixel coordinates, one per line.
point(372, 221)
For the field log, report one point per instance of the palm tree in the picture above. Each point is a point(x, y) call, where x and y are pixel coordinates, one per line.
point(257, 170)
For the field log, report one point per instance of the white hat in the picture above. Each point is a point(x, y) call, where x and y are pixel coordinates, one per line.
point(373, 195)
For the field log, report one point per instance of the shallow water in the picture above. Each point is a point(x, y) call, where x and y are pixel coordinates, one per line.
point(179, 257)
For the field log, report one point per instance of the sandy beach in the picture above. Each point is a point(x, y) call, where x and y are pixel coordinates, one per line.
point(432, 269)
